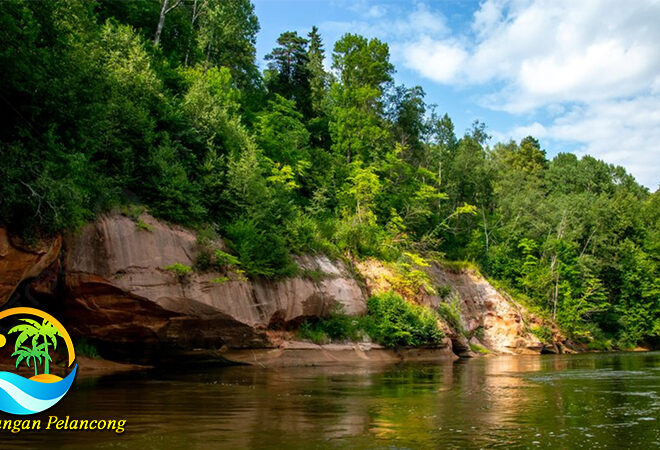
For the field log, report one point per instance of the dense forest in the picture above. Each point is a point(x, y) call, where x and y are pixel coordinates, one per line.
point(161, 104)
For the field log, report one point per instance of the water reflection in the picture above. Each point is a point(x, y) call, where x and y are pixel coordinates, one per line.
point(574, 401)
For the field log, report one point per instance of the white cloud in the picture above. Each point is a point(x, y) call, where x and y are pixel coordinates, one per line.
point(591, 66)
point(551, 51)
point(417, 23)
point(621, 132)
point(535, 129)
point(585, 73)
point(440, 61)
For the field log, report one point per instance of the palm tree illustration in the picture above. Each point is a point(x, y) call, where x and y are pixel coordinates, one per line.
point(35, 330)
point(25, 353)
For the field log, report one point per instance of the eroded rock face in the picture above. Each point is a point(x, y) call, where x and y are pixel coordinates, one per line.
point(117, 293)
point(498, 321)
point(19, 262)
point(118, 290)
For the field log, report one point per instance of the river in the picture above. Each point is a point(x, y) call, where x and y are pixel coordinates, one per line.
point(565, 401)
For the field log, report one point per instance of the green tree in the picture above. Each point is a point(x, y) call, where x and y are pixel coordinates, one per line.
point(318, 78)
point(288, 72)
point(283, 137)
point(361, 62)
point(227, 37)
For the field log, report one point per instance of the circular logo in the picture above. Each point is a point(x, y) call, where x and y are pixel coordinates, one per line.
point(36, 334)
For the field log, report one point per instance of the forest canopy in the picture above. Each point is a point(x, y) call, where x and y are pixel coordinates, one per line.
point(162, 104)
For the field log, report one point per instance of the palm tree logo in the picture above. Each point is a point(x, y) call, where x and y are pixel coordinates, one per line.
point(43, 335)
point(34, 340)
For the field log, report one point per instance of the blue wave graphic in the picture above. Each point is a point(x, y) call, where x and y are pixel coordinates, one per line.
point(19, 395)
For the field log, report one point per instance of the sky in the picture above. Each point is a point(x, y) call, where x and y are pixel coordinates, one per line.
point(580, 76)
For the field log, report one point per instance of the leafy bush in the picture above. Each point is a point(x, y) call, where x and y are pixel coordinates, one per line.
point(336, 326)
point(409, 279)
point(311, 331)
point(451, 314)
point(459, 266)
point(219, 280)
point(476, 348)
point(133, 212)
point(218, 261)
point(391, 321)
point(180, 270)
point(443, 291)
point(85, 348)
point(395, 322)
point(543, 332)
point(598, 345)
point(312, 274)
point(260, 252)
point(143, 226)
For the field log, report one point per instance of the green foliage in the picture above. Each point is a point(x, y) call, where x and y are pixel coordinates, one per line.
point(390, 321)
point(443, 291)
point(180, 270)
point(227, 37)
point(85, 348)
point(100, 113)
point(408, 276)
point(459, 266)
point(543, 332)
point(219, 280)
point(336, 326)
point(133, 212)
point(313, 274)
point(396, 323)
point(143, 226)
point(476, 348)
point(313, 332)
point(261, 252)
point(451, 312)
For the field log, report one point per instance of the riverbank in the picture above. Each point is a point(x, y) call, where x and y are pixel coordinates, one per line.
point(114, 285)
point(87, 367)
point(301, 354)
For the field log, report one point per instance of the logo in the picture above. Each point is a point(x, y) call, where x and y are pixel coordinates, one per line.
point(34, 341)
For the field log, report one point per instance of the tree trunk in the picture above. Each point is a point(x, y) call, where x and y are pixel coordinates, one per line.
point(195, 13)
point(46, 365)
point(161, 22)
point(555, 294)
point(439, 174)
point(483, 215)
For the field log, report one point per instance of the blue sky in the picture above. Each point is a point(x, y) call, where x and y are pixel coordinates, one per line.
point(582, 77)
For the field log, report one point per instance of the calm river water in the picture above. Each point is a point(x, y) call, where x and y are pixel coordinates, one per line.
point(566, 401)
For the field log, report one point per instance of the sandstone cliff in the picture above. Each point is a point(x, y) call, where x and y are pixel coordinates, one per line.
point(487, 317)
point(112, 287)
point(118, 290)
point(19, 262)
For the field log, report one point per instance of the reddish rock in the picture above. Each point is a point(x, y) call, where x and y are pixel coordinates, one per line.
point(19, 262)
point(118, 291)
point(131, 327)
